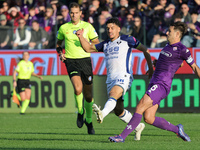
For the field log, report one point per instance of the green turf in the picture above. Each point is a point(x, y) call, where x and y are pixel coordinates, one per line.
point(59, 131)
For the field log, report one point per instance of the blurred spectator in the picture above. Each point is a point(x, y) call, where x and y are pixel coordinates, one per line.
point(5, 7)
point(146, 11)
point(106, 13)
point(122, 14)
point(194, 6)
point(192, 39)
point(127, 28)
point(6, 32)
point(48, 21)
point(169, 14)
point(23, 8)
point(65, 17)
point(23, 36)
point(14, 15)
point(39, 37)
point(96, 3)
point(138, 29)
point(186, 17)
point(100, 27)
point(155, 33)
point(159, 9)
point(92, 15)
point(112, 5)
point(31, 17)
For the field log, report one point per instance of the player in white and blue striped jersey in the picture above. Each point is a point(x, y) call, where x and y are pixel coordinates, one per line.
point(118, 54)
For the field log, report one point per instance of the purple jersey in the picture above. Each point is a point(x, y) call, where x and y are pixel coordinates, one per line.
point(169, 61)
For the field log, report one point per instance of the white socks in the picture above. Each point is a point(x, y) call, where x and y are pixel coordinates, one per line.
point(127, 117)
point(109, 106)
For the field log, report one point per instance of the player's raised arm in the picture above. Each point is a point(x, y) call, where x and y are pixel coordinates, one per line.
point(147, 56)
point(196, 69)
point(84, 43)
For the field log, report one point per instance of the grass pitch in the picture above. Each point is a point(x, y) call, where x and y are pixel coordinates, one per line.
point(59, 132)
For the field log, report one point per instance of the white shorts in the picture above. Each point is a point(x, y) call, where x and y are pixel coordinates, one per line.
point(124, 81)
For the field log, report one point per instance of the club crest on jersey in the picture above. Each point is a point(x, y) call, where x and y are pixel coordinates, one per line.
point(119, 42)
point(74, 32)
point(90, 78)
point(174, 48)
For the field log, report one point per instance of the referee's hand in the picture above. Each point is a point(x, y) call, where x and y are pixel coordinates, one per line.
point(62, 57)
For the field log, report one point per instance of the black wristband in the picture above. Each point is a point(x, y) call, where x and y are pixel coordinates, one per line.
point(58, 49)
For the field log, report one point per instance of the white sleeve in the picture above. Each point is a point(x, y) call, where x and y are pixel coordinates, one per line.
point(17, 39)
point(27, 38)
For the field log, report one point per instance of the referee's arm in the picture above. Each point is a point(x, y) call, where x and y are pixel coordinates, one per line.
point(85, 44)
point(59, 50)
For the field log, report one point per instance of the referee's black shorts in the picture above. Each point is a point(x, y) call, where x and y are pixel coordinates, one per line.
point(80, 67)
point(23, 84)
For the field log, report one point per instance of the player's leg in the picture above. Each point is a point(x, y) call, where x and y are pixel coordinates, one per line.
point(86, 73)
point(144, 104)
point(150, 118)
point(78, 95)
point(87, 92)
point(126, 116)
point(75, 77)
point(25, 97)
point(114, 94)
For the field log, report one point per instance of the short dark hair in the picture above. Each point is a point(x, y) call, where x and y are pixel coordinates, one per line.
point(181, 26)
point(114, 20)
point(74, 4)
point(35, 21)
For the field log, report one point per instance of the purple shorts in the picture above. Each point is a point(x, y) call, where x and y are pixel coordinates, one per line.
point(157, 92)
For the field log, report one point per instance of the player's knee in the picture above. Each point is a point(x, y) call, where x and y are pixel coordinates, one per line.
point(118, 111)
point(78, 90)
point(88, 97)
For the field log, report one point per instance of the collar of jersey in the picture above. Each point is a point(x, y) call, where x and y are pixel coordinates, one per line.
point(76, 24)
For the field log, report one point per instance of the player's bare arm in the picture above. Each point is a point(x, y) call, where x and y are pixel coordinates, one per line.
point(84, 43)
point(59, 50)
point(196, 69)
point(147, 56)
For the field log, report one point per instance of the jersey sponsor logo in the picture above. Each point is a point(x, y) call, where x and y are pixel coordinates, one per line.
point(121, 81)
point(67, 32)
point(153, 88)
point(168, 54)
point(189, 60)
point(73, 72)
point(174, 48)
point(111, 50)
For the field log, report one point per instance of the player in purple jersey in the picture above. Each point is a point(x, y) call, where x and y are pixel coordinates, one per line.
point(170, 59)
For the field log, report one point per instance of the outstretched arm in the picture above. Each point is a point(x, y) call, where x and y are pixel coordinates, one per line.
point(147, 56)
point(196, 69)
point(34, 74)
point(85, 44)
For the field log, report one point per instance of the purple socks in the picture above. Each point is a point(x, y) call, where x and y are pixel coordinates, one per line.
point(165, 125)
point(135, 120)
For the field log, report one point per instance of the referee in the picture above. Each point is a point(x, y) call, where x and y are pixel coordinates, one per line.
point(78, 63)
point(24, 69)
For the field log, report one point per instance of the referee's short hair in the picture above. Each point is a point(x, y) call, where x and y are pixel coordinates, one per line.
point(114, 20)
point(74, 4)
